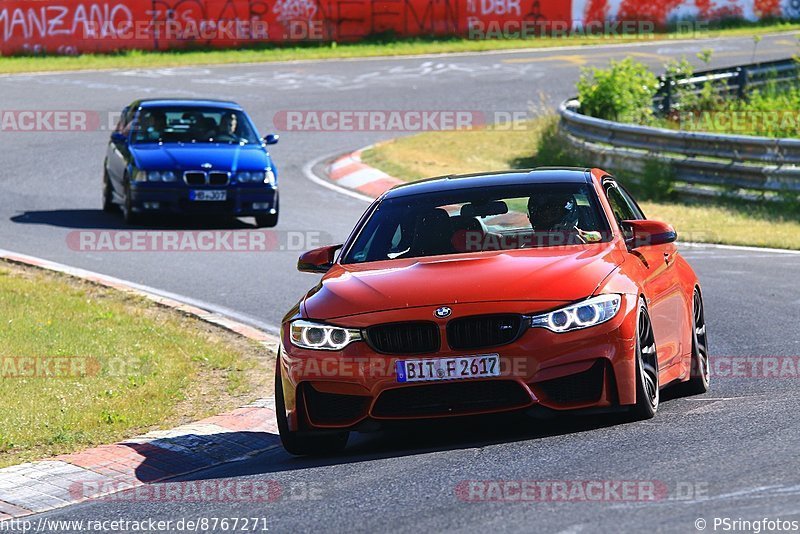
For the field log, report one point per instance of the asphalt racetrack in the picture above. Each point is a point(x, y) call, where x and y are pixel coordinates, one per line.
point(730, 453)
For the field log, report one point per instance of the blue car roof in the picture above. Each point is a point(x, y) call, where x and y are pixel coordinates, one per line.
point(499, 178)
point(162, 102)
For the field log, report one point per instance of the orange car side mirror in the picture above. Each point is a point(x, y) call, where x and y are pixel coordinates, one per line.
point(643, 233)
point(319, 260)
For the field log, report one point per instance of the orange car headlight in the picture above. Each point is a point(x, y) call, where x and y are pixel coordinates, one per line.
point(589, 312)
point(321, 336)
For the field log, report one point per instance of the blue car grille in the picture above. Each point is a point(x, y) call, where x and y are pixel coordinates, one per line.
point(218, 178)
point(206, 178)
point(194, 178)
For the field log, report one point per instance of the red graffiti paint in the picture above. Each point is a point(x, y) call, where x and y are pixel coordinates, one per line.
point(75, 26)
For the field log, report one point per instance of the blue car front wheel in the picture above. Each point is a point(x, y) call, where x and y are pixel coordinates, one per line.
point(108, 197)
point(130, 216)
point(268, 220)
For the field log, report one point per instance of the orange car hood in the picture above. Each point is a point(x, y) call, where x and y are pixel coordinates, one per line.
point(544, 274)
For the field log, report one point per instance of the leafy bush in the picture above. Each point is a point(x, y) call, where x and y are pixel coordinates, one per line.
point(553, 149)
point(657, 181)
point(623, 92)
point(770, 112)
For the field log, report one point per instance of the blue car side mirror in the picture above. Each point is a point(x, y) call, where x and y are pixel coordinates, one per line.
point(272, 139)
point(118, 137)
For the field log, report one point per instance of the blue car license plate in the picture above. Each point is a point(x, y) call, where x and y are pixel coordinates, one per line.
point(208, 195)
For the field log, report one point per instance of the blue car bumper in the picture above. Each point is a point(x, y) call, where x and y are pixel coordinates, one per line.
point(239, 201)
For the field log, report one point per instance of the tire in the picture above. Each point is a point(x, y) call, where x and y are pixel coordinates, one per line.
point(647, 386)
point(304, 444)
point(268, 220)
point(108, 197)
point(700, 375)
point(128, 214)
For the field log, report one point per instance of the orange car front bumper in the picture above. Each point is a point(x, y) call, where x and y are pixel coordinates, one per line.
point(583, 369)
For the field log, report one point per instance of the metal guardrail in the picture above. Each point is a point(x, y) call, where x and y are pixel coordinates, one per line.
point(733, 161)
point(735, 82)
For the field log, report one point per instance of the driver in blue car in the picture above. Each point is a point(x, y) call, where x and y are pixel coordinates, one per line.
point(228, 128)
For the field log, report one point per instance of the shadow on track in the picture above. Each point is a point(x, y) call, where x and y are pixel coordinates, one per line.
point(409, 439)
point(191, 452)
point(99, 220)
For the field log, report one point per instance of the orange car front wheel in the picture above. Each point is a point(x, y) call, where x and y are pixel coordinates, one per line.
point(304, 443)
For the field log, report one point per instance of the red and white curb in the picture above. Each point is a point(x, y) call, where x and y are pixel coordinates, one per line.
point(350, 172)
point(35, 487)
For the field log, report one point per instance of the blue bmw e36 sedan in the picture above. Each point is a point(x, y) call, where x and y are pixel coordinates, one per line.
point(187, 156)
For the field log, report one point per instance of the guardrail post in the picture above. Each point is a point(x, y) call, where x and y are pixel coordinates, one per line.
point(741, 79)
point(667, 103)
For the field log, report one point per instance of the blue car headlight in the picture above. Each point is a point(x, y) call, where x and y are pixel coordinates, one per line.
point(154, 176)
point(589, 312)
point(253, 177)
point(244, 177)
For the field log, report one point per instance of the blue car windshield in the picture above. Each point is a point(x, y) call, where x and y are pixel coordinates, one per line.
point(186, 124)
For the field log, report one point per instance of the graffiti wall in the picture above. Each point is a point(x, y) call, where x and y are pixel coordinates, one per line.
point(662, 11)
point(73, 26)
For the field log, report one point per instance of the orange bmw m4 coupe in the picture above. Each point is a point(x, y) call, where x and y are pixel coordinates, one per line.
point(546, 291)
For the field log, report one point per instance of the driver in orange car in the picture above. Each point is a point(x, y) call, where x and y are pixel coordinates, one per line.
point(556, 214)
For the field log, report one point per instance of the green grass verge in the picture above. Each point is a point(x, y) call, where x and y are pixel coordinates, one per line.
point(131, 366)
point(370, 48)
point(532, 144)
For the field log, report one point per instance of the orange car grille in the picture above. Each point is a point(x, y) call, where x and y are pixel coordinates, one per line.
point(451, 398)
point(404, 338)
point(581, 387)
point(331, 408)
point(483, 331)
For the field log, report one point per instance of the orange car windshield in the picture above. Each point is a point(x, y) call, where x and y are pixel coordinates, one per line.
point(481, 220)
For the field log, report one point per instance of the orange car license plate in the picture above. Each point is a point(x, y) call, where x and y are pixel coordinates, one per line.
point(448, 368)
